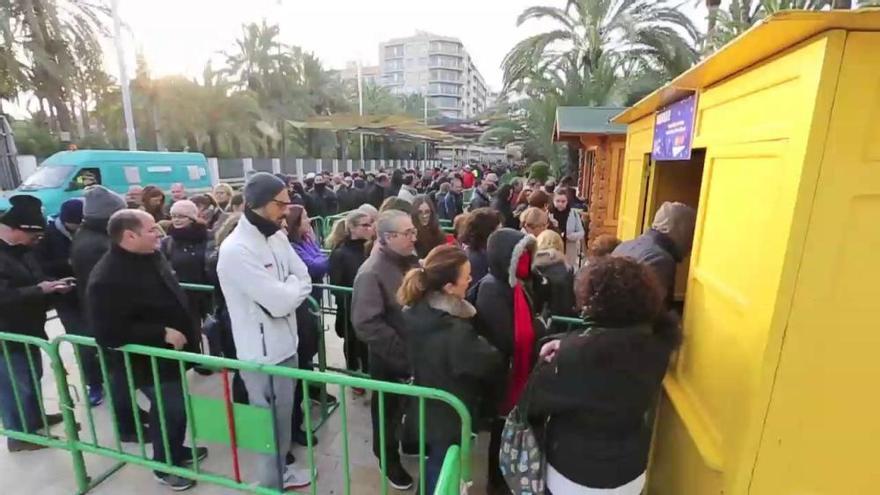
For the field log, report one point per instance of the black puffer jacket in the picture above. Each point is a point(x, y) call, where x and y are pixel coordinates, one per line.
point(595, 394)
point(448, 354)
point(493, 295)
point(89, 245)
point(22, 303)
point(131, 299)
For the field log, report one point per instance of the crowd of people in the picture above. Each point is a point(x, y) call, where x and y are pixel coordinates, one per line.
point(464, 309)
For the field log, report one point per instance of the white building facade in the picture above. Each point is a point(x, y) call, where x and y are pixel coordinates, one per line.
point(436, 66)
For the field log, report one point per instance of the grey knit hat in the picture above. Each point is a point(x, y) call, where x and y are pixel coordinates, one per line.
point(101, 203)
point(261, 188)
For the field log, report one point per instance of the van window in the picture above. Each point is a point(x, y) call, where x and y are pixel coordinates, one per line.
point(86, 177)
point(48, 177)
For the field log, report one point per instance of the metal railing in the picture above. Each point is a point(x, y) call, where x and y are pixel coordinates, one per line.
point(205, 416)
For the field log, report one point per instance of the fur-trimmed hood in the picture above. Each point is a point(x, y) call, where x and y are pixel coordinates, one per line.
point(505, 248)
point(450, 304)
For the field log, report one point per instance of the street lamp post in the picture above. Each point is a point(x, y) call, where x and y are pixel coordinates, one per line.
point(123, 78)
point(361, 108)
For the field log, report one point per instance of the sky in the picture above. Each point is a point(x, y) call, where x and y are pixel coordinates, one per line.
point(179, 36)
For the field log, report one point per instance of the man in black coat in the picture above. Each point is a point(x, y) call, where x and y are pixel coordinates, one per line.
point(133, 297)
point(324, 202)
point(53, 253)
point(25, 295)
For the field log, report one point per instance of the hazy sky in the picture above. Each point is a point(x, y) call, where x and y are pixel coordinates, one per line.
point(179, 36)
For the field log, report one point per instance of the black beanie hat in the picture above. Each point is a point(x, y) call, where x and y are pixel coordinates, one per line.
point(26, 214)
point(261, 188)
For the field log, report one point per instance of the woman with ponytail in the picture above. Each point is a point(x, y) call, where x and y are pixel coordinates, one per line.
point(446, 351)
point(348, 241)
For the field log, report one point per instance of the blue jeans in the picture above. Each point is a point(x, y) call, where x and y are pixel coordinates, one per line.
point(17, 369)
point(175, 421)
point(433, 465)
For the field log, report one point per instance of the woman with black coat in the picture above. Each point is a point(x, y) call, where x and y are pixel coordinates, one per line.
point(348, 243)
point(505, 316)
point(594, 389)
point(186, 249)
point(446, 351)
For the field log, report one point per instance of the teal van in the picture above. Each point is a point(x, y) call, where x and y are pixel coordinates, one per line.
point(66, 174)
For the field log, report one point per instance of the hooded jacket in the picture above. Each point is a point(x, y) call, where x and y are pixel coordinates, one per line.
point(376, 315)
point(493, 295)
point(89, 245)
point(263, 281)
point(448, 354)
point(665, 245)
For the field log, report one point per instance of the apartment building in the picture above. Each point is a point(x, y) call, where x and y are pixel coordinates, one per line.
point(437, 66)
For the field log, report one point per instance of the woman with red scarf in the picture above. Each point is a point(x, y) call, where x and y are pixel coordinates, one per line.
point(506, 319)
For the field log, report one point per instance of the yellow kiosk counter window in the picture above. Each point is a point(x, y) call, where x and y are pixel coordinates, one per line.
point(776, 389)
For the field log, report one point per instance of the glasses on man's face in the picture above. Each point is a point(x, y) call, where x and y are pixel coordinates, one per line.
point(407, 233)
point(283, 204)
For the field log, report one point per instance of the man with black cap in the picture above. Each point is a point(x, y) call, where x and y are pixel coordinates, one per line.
point(324, 201)
point(25, 295)
point(264, 282)
point(53, 253)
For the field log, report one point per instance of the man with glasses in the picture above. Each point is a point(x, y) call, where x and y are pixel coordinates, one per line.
point(264, 282)
point(25, 295)
point(378, 321)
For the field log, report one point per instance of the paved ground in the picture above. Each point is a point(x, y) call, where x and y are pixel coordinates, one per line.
point(49, 472)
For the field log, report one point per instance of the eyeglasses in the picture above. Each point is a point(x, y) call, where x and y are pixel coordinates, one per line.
point(408, 232)
point(282, 203)
point(364, 225)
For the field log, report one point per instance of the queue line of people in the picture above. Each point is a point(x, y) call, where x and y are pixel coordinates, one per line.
point(488, 283)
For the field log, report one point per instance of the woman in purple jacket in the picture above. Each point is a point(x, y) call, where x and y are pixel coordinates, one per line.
point(302, 238)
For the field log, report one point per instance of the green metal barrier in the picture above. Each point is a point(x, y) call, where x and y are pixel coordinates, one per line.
point(33, 348)
point(203, 414)
point(327, 408)
point(570, 323)
point(336, 301)
point(449, 481)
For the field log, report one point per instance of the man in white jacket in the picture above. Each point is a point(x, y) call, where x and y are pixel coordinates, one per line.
point(264, 281)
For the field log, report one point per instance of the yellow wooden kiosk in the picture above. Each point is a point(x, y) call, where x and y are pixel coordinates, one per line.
point(776, 389)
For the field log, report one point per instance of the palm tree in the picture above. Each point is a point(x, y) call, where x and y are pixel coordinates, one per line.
point(652, 32)
point(52, 37)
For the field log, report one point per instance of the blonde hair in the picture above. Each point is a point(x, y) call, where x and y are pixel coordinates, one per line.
point(534, 217)
point(226, 187)
point(549, 239)
point(342, 228)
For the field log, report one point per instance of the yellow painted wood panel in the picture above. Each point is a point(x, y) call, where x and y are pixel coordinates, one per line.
point(639, 139)
point(822, 429)
point(756, 129)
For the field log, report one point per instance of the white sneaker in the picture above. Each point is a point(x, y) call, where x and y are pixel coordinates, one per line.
point(295, 477)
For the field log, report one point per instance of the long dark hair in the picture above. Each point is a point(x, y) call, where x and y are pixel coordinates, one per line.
point(429, 235)
point(442, 266)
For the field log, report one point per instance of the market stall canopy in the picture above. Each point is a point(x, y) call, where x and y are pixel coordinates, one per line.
point(572, 122)
point(399, 126)
point(769, 37)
